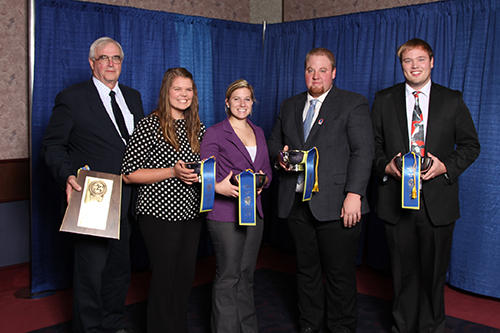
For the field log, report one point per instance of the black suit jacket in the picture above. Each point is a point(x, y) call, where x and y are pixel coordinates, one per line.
point(345, 143)
point(451, 136)
point(80, 132)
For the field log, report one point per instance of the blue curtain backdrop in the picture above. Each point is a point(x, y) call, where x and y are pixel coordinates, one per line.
point(462, 33)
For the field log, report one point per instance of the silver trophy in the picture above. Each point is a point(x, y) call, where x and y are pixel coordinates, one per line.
point(260, 179)
point(425, 163)
point(196, 166)
point(294, 159)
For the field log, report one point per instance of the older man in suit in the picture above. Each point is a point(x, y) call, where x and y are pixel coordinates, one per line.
point(420, 240)
point(90, 125)
point(325, 229)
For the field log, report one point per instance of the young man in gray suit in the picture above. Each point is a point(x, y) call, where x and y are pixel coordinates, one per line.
point(325, 229)
point(420, 239)
point(85, 130)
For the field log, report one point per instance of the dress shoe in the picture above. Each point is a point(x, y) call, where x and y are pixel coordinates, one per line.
point(341, 329)
point(307, 330)
point(126, 330)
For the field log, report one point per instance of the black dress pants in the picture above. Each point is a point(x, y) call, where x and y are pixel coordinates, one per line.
point(420, 254)
point(172, 248)
point(329, 248)
point(100, 281)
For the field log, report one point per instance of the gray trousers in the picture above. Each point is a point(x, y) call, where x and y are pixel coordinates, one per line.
point(236, 250)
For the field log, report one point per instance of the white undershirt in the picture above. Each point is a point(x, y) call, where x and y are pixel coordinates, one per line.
point(253, 152)
point(120, 100)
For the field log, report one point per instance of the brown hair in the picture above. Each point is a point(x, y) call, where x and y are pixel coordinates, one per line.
point(238, 84)
point(413, 44)
point(320, 51)
point(193, 123)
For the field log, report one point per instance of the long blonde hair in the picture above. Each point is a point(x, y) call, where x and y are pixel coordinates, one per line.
point(193, 123)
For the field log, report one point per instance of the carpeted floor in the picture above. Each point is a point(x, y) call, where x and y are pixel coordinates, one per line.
point(276, 304)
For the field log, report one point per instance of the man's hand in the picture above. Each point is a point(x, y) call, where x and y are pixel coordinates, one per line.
point(392, 168)
point(438, 168)
point(351, 210)
point(71, 185)
point(283, 165)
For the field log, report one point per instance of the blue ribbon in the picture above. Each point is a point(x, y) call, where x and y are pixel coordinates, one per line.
point(410, 182)
point(310, 182)
point(246, 199)
point(207, 174)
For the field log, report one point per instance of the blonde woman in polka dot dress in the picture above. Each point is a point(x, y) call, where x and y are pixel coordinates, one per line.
point(168, 197)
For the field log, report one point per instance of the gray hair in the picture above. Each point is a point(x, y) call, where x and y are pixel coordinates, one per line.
point(102, 42)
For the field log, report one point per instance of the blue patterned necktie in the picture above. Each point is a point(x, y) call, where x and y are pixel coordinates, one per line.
point(417, 128)
point(307, 130)
point(309, 118)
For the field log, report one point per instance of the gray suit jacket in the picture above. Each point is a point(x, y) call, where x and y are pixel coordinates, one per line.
point(345, 143)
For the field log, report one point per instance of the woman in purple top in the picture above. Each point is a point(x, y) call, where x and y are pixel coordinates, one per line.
point(237, 145)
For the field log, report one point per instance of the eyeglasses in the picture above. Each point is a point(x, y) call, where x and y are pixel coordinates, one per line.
point(104, 59)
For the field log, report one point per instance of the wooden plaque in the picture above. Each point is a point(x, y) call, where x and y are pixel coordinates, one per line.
point(95, 210)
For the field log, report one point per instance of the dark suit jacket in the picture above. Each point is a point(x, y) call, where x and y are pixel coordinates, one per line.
point(451, 137)
point(221, 141)
point(81, 133)
point(345, 144)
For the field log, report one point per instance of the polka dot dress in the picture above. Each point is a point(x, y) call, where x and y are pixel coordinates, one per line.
point(170, 199)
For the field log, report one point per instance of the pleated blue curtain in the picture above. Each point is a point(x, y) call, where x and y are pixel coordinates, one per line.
point(475, 260)
point(217, 53)
point(461, 32)
point(195, 50)
point(237, 54)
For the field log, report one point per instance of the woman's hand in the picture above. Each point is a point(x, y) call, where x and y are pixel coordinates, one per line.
point(184, 174)
point(259, 190)
point(226, 188)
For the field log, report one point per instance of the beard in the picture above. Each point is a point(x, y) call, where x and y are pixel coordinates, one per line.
point(316, 91)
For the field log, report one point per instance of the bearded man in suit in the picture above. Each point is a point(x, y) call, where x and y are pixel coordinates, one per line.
point(420, 239)
point(325, 229)
point(85, 130)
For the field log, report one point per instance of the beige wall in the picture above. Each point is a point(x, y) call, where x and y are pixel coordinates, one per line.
point(14, 79)
point(309, 9)
point(234, 10)
point(14, 125)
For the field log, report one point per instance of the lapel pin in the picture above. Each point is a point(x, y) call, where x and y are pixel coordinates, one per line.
point(320, 121)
